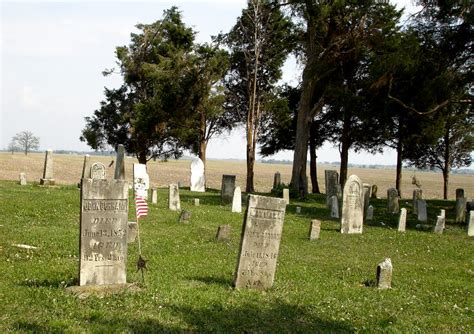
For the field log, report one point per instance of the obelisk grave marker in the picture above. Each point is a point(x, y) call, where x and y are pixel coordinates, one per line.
point(260, 243)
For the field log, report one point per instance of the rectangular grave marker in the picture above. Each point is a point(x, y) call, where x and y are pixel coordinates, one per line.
point(103, 232)
point(260, 243)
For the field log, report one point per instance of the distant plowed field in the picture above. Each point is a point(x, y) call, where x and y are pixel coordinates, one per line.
point(68, 169)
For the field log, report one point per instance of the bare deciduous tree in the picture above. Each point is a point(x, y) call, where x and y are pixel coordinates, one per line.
point(26, 141)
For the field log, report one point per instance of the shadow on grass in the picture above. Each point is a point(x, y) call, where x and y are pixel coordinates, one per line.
point(49, 283)
point(225, 282)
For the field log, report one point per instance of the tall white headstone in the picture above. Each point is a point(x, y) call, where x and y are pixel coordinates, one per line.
point(402, 220)
point(352, 206)
point(141, 180)
point(198, 179)
point(470, 229)
point(237, 200)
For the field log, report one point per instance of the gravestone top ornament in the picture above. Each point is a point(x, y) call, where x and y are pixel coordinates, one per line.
point(98, 171)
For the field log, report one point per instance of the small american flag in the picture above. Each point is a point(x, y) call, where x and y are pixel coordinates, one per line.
point(141, 206)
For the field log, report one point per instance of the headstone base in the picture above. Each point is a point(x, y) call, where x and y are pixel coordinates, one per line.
point(101, 291)
point(47, 182)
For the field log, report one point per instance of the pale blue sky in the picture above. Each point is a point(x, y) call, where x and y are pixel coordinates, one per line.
point(53, 53)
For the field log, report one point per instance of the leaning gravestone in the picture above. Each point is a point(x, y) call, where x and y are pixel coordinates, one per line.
point(276, 180)
point(314, 229)
point(174, 202)
point(331, 180)
point(422, 214)
point(440, 222)
point(227, 188)
point(459, 193)
point(237, 200)
point(260, 242)
point(417, 194)
point(470, 228)
point(384, 274)
point(103, 231)
point(392, 201)
point(402, 220)
point(23, 179)
point(198, 179)
point(48, 172)
point(120, 163)
point(86, 168)
point(352, 206)
point(461, 209)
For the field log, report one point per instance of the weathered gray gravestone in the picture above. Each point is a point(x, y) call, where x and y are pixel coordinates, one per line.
point(223, 233)
point(97, 171)
point(417, 194)
point(298, 210)
point(369, 215)
point(227, 188)
point(104, 227)
point(334, 207)
point(276, 180)
point(48, 172)
point(470, 228)
point(237, 200)
point(461, 209)
point(384, 274)
point(331, 180)
point(86, 168)
point(314, 229)
point(422, 213)
point(174, 202)
point(23, 179)
point(392, 201)
point(459, 193)
point(120, 163)
point(132, 232)
point(367, 191)
point(260, 242)
point(286, 195)
point(402, 220)
point(352, 206)
point(154, 195)
point(374, 191)
point(439, 227)
point(185, 216)
point(198, 179)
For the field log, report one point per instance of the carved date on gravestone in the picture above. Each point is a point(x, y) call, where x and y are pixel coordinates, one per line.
point(104, 228)
point(260, 243)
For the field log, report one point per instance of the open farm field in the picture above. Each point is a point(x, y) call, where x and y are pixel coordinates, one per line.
point(68, 169)
point(321, 286)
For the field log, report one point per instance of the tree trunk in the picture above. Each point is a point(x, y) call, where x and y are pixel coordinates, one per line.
point(250, 168)
point(447, 164)
point(312, 165)
point(345, 146)
point(398, 180)
point(202, 140)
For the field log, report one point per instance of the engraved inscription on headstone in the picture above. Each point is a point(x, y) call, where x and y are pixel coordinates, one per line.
point(104, 229)
point(97, 171)
point(198, 180)
point(260, 243)
point(141, 181)
point(227, 188)
point(352, 206)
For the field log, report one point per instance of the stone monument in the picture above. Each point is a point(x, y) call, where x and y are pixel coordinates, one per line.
point(227, 188)
point(422, 211)
point(141, 181)
point(260, 243)
point(470, 228)
point(384, 274)
point(369, 214)
point(23, 179)
point(417, 194)
point(97, 171)
point(286, 195)
point(314, 229)
point(402, 220)
point(334, 206)
point(48, 172)
point(174, 202)
point(461, 209)
point(352, 206)
point(154, 195)
point(331, 180)
point(223, 233)
point(198, 179)
point(237, 200)
point(392, 201)
point(276, 180)
point(440, 222)
point(459, 193)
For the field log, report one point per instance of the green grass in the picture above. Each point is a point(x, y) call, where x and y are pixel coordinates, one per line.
point(320, 286)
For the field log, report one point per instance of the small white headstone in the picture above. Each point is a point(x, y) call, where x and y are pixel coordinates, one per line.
point(141, 180)
point(369, 215)
point(198, 180)
point(440, 221)
point(196, 202)
point(23, 179)
point(402, 220)
point(98, 171)
point(298, 209)
point(443, 213)
point(154, 195)
point(237, 200)
point(314, 229)
point(470, 229)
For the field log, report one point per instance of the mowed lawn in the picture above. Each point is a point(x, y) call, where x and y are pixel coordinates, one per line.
point(320, 286)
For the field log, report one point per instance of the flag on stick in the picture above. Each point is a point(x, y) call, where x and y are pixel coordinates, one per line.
point(141, 206)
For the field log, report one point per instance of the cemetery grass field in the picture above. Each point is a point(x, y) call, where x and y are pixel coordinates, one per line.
point(320, 286)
